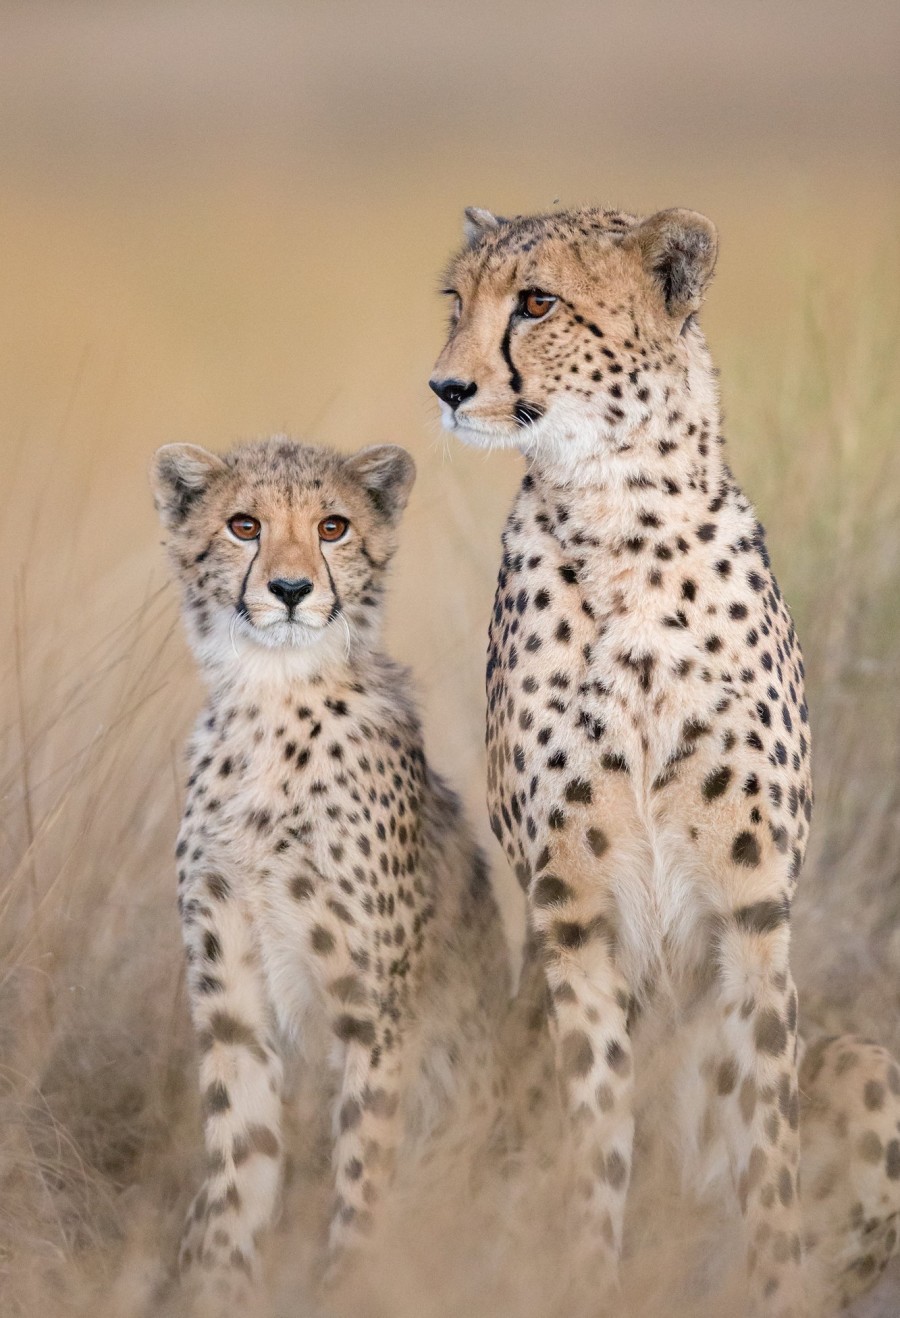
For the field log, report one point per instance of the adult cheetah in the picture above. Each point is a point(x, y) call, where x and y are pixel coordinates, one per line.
point(331, 895)
point(648, 735)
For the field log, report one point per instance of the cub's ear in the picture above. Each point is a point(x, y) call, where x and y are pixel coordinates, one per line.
point(477, 222)
point(386, 472)
point(678, 250)
point(179, 475)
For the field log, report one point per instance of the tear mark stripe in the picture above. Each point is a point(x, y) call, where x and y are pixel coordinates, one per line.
point(515, 379)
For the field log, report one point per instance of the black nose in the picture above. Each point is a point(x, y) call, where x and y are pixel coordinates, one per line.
point(290, 592)
point(453, 392)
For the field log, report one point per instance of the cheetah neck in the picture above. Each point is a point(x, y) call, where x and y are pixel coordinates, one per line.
point(667, 440)
point(669, 473)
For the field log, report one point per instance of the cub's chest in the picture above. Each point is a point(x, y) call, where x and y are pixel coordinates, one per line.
point(338, 786)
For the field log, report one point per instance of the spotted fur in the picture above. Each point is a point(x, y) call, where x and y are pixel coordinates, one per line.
point(850, 1105)
point(331, 896)
point(648, 733)
point(849, 1090)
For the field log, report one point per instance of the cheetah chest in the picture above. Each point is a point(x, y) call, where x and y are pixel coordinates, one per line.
point(586, 718)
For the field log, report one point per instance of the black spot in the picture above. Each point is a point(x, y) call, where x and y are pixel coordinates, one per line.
point(578, 792)
point(892, 1160)
point(350, 1029)
point(771, 1033)
point(571, 934)
point(716, 783)
point(216, 1098)
point(745, 850)
point(549, 890)
point(762, 917)
point(597, 841)
point(617, 1058)
point(322, 941)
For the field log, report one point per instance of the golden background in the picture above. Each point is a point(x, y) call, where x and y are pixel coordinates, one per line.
point(218, 221)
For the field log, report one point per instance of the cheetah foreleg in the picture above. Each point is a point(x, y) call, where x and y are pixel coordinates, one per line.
point(368, 1121)
point(589, 999)
point(757, 1087)
point(241, 1087)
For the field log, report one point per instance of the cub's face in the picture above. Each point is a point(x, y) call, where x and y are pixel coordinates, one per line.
point(278, 546)
point(564, 323)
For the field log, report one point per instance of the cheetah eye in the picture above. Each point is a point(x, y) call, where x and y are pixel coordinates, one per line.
point(333, 528)
point(244, 527)
point(456, 304)
point(534, 305)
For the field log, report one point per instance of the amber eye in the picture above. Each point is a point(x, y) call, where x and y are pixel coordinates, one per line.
point(534, 304)
point(333, 528)
point(244, 527)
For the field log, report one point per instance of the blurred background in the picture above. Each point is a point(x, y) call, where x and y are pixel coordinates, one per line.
point(222, 220)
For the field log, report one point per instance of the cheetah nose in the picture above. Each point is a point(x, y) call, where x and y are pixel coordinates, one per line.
point(453, 392)
point(290, 592)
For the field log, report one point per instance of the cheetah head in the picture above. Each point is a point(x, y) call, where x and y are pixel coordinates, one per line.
point(564, 326)
point(279, 546)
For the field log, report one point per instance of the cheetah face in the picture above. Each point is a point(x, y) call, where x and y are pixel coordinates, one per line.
point(560, 324)
point(278, 545)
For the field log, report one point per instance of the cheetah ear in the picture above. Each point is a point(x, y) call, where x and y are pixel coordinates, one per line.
point(386, 473)
point(678, 250)
point(179, 475)
point(477, 222)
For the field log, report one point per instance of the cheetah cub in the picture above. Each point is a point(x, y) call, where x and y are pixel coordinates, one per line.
point(648, 735)
point(331, 897)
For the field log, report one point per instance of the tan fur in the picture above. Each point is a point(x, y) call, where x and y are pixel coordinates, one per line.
point(648, 736)
point(850, 1105)
point(333, 902)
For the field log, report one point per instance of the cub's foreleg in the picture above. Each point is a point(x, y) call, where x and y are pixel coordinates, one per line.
point(241, 1088)
point(368, 1010)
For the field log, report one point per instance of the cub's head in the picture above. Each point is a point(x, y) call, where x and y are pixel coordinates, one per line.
point(568, 324)
point(280, 548)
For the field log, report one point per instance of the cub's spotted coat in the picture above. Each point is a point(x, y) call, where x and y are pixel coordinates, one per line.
point(648, 734)
point(330, 893)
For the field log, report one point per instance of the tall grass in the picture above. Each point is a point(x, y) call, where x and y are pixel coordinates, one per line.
point(99, 1133)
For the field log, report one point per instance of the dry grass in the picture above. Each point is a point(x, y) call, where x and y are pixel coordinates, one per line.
point(99, 1124)
point(236, 292)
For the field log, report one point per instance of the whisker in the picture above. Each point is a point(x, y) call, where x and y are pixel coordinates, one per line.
point(349, 634)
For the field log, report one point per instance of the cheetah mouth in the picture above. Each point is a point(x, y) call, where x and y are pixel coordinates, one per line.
point(286, 632)
point(480, 434)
